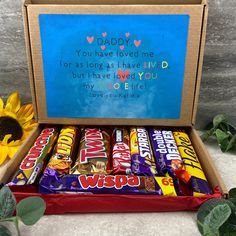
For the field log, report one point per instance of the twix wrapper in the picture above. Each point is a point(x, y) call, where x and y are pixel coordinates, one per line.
point(94, 152)
point(121, 160)
point(194, 175)
point(142, 159)
point(33, 163)
point(64, 150)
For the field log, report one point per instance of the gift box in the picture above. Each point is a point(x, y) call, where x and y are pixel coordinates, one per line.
point(116, 63)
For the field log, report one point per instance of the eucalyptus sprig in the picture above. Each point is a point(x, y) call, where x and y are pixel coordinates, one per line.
point(224, 132)
point(28, 210)
point(217, 217)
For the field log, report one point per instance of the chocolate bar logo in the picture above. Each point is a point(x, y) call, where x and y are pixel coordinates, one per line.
point(144, 147)
point(108, 181)
point(165, 144)
point(188, 155)
point(94, 146)
point(65, 142)
point(36, 151)
point(121, 155)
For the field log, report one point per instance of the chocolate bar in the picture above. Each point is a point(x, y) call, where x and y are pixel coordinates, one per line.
point(142, 159)
point(121, 160)
point(193, 174)
point(53, 182)
point(33, 163)
point(64, 150)
point(94, 152)
point(165, 151)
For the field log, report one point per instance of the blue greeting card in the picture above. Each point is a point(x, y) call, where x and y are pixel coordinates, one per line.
point(114, 66)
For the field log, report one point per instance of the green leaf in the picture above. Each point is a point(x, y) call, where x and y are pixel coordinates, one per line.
point(232, 143)
point(30, 210)
point(207, 134)
point(4, 231)
point(232, 193)
point(228, 230)
point(216, 218)
point(7, 203)
point(222, 139)
point(218, 120)
point(207, 207)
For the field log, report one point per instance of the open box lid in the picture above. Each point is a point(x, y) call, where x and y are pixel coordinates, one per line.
point(114, 64)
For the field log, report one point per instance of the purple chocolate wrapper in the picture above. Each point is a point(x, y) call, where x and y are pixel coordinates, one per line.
point(53, 182)
point(165, 151)
point(142, 159)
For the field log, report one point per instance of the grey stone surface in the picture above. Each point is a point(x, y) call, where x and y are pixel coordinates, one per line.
point(218, 89)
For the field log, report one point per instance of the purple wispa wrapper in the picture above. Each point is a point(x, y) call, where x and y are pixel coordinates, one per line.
point(142, 159)
point(53, 182)
point(166, 154)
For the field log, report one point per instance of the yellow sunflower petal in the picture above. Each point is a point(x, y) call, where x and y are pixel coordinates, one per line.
point(9, 113)
point(3, 154)
point(14, 101)
point(12, 151)
point(25, 113)
point(28, 126)
point(1, 105)
point(5, 139)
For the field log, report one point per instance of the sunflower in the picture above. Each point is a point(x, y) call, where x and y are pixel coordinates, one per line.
point(16, 122)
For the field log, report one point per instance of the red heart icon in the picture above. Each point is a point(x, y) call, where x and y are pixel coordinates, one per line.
point(104, 34)
point(127, 34)
point(123, 75)
point(90, 39)
point(103, 47)
point(122, 47)
point(137, 43)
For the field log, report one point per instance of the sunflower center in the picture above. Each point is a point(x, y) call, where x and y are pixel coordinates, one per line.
point(9, 125)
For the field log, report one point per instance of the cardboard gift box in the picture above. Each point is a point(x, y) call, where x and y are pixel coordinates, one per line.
point(114, 63)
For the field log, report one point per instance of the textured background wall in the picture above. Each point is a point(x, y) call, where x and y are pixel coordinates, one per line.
point(218, 88)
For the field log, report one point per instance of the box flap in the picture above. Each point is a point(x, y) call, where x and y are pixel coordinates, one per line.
point(119, 65)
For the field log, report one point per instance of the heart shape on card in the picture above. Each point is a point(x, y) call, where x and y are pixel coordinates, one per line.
point(90, 39)
point(103, 47)
point(123, 75)
point(137, 43)
point(122, 47)
point(127, 34)
point(104, 34)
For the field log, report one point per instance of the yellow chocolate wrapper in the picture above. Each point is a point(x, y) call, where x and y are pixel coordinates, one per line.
point(188, 155)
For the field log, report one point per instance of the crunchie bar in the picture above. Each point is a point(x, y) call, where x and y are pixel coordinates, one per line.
point(34, 161)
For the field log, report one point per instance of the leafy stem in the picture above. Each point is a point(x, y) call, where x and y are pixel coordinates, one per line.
point(28, 210)
point(223, 131)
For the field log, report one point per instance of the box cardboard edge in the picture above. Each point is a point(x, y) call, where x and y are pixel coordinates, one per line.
point(200, 63)
point(29, 57)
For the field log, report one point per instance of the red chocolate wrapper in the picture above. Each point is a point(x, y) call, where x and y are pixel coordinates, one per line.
point(94, 152)
point(121, 159)
point(34, 161)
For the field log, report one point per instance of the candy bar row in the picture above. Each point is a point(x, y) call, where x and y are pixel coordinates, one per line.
point(103, 160)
